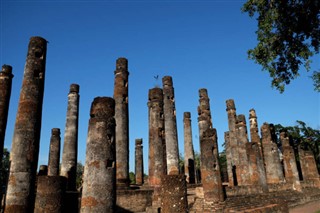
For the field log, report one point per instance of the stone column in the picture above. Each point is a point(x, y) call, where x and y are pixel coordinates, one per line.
point(231, 147)
point(99, 188)
point(254, 129)
point(272, 162)
point(170, 123)
point(122, 120)
point(139, 162)
point(5, 93)
point(25, 144)
point(289, 163)
point(309, 168)
point(54, 153)
point(174, 194)
point(50, 194)
point(210, 169)
point(156, 135)
point(70, 144)
point(189, 164)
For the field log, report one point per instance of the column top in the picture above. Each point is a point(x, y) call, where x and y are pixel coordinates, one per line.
point(230, 104)
point(102, 107)
point(241, 119)
point(155, 94)
point(74, 88)
point(55, 131)
point(6, 70)
point(203, 92)
point(167, 81)
point(122, 64)
point(139, 142)
point(187, 115)
point(252, 113)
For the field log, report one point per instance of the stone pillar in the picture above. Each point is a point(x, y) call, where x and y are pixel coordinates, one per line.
point(70, 145)
point(242, 138)
point(50, 194)
point(156, 135)
point(231, 147)
point(122, 120)
point(5, 93)
point(189, 164)
point(174, 194)
point(254, 129)
point(25, 144)
point(210, 169)
point(274, 172)
point(289, 163)
point(309, 168)
point(54, 153)
point(139, 162)
point(99, 180)
point(170, 123)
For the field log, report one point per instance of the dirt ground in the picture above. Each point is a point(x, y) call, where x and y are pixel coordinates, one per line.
point(307, 208)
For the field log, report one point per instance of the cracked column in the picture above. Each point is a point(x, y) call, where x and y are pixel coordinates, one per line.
point(70, 144)
point(170, 123)
point(25, 143)
point(289, 163)
point(156, 136)
point(139, 162)
point(54, 153)
point(274, 172)
point(5, 93)
point(122, 120)
point(99, 183)
point(189, 164)
point(210, 169)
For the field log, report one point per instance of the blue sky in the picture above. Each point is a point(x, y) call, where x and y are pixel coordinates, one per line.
point(201, 44)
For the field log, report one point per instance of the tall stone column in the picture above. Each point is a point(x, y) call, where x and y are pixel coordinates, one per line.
point(54, 153)
point(156, 135)
point(254, 129)
point(139, 162)
point(289, 163)
point(70, 144)
point(231, 147)
point(5, 93)
point(189, 164)
point(25, 144)
point(274, 172)
point(99, 183)
point(122, 120)
point(170, 123)
point(210, 169)
point(309, 168)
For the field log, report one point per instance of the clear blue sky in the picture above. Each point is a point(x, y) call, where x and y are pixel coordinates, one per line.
point(201, 44)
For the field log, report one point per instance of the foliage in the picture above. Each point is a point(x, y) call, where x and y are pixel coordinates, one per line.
point(79, 174)
point(5, 165)
point(288, 36)
point(132, 178)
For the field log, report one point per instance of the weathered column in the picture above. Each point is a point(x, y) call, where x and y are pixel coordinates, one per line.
point(170, 123)
point(5, 93)
point(156, 135)
point(50, 194)
point(274, 172)
point(289, 162)
point(99, 183)
point(70, 144)
point(54, 153)
point(174, 194)
point(254, 129)
point(25, 143)
point(242, 138)
point(189, 164)
point(309, 168)
point(122, 120)
point(139, 162)
point(231, 147)
point(210, 169)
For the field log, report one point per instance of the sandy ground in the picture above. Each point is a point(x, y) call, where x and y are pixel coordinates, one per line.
point(307, 208)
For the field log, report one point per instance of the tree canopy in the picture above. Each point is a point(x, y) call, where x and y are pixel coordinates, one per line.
point(288, 36)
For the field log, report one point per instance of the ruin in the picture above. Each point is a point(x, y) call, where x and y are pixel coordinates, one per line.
point(99, 184)
point(189, 164)
point(139, 175)
point(25, 143)
point(5, 93)
point(122, 119)
point(54, 153)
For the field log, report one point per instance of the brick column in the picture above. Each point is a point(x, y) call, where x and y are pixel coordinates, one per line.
point(254, 129)
point(54, 153)
point(210, 169)
point(189, 164)
point(122, 119)
point(170, 123)
point(309, 168)
point(139, 162)
point(99, 190)
point(25, 144)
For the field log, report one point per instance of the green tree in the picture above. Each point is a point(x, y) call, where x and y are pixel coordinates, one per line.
point(132, 178)
point(288, 36)
point(5, 166)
